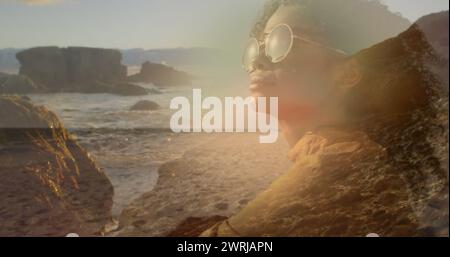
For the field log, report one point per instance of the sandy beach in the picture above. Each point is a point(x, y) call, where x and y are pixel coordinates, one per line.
point(217, 177)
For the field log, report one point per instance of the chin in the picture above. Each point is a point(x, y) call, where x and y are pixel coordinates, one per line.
point(261, 93)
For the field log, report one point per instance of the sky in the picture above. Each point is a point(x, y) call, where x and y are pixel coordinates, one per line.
point(145, 23)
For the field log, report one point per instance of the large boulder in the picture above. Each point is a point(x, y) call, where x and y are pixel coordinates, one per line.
point(161, 75)
point(50, 186)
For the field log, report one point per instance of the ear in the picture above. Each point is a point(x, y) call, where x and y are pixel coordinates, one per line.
point(347, 74)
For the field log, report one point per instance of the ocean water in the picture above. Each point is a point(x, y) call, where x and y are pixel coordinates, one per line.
point(106, 111)
point(128, 145)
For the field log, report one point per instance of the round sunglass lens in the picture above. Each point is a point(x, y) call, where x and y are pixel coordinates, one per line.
point(279, 43)
point(250, 54)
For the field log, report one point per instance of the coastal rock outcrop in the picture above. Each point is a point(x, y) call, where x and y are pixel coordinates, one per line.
point(145, 105)
point(76, 69)
point(161, 75)
point(50, 186)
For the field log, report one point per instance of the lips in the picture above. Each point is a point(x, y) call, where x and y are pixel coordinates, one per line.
point(260, 81)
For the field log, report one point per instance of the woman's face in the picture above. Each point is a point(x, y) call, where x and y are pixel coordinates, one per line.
point(302, 81)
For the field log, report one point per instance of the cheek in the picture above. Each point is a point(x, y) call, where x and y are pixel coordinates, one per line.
point(294, 86)
point(300, 94)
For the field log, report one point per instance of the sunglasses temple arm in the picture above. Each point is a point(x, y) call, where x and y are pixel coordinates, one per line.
point(319, 44)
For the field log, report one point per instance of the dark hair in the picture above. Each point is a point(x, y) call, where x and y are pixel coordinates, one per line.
point(349, 25)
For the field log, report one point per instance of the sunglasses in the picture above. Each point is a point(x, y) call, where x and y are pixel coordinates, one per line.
point(277, 46)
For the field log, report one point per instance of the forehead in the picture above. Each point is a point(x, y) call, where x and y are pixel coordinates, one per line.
point(293, 15)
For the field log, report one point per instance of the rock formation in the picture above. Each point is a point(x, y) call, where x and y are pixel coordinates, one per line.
point(50, 186)
point(161, 75)
point(76, 69)
point(145, 105)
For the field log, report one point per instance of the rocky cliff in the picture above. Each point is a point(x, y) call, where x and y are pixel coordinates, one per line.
point(50, 186)
point(77, 69)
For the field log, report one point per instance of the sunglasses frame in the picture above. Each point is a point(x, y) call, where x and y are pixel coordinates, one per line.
point(260, 44)
point(266, 37)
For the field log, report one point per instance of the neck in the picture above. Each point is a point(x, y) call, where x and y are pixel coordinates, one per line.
point(292, 132)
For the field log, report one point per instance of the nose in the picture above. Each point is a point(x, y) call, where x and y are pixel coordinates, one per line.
point(262, 62)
